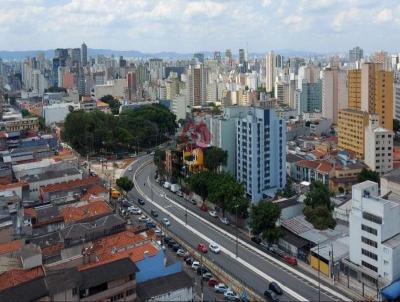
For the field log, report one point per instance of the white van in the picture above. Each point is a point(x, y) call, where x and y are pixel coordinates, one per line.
point(167, 185)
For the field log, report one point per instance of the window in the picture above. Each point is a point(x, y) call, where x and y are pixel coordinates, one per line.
point(369, 242)
point(117, 297)
point(369, 254)
point(369, 266)
point(74, 291)
point(372, 218)
point(369, 229)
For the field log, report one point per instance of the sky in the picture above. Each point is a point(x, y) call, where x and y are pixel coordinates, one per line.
point(188, 26)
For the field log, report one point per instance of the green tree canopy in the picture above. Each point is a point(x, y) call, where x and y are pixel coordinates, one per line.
point(288, 190)
point(320, 217)
point(318, 195)
point(125, 183)
point(215, 157)
point(263, 217)
point(367, 174)
point(199, 183)
point(25, 113)
point(112, 102)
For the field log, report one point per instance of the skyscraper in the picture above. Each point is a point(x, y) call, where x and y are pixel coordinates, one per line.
point(199, 57)
point(242, 61)
point(260, 152)
point(310, 98)
point(334, 92)
point(131, 84)
point(270, 71)
point(355, 54)
point(84, 54)
point(228, 57)
point(354, 89)
point(196, 86)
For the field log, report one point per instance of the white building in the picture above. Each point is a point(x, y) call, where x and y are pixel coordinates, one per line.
point(55, 113)
point(179, 106)
point(375, 233)
point(116, 88)
point(334, 93)
point(270, 71)
point(378, 147)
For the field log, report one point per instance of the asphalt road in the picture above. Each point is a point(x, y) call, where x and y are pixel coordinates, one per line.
point(231, 265)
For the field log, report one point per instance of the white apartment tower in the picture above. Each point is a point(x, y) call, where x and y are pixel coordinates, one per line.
point(270, 71)
point(334, 92)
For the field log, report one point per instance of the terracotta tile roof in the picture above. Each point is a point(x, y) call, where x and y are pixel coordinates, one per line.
point(52, 249)
point(13, 185)
point(122, 245)
point(14, 277)
point(96, 189)
point(311, 164)
point(79, 212)
point(70, 184)
point(11, 246)
point(30, 212)
point(318, 153)
point(324, 167)
point(321, 166)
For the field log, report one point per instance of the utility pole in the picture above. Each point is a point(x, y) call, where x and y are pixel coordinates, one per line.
point(319, 280)
point(237, 231)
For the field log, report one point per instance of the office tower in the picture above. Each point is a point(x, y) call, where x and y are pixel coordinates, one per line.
point(354, 89)
point(228, 57)
point(131, 84)
point(294, 65)
point(279, 61)
point(60, 59)
point(84, 54)
point(217, 56)
point(61, 71)
point(143, 74)
point(308, 74)
point(377, 93)
point(156, 69)
point(355, 55)
point(261, 153)
point(310, 98)
point(396, 105)
point(242, 61)
point(196, 86)
point(374, 226)
point(334, 92)
point(270, 71)
point(121, 62)
point(199, 57)
point(75, 55)
point(81, 81)
point(351, 134)
point(172, 86)
point(378, 147)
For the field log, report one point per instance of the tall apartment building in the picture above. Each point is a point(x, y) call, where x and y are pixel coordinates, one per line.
point(355, 54)
point(377, 93)
point(196, 85)
point(270, 71)
point(354, 89)
point(260, 152)
point(84, 57)
point(351, 135)
point(310, 99)
point(131, 85)
point(396, 100)
point(172, 86)
point(375, 233)
point(334, 93)
point(378, 147)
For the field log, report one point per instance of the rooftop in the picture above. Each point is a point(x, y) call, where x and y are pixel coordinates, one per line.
point(51, 174)
point(14, 277)
point(392, 242)
point(10, 247)
point(70, 184)
point(79, 211)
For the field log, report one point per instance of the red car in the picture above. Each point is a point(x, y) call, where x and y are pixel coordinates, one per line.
point(290, 260)
point(202, 248)
point(212, 282)
point(203, 207)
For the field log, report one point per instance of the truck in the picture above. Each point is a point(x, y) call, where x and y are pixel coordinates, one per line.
point(175, 188)
point(115, 193)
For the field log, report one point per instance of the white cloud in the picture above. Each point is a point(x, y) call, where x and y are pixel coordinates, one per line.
point(266, 3)
point(384, 16)
point(344, 18)
point(208, 8)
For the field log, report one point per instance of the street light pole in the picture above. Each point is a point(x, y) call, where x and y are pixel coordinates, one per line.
point(319, 280)
point(237, 231)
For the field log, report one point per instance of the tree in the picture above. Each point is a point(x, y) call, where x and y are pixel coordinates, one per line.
point(159, 159)
point(125, 183)
point(263, 217)
point(318, 195)
point(199, 183)
point(25, 113)
point(112, 102)
point(215, 157)
point(288, 190)
point(367, 174)
point(320, 217)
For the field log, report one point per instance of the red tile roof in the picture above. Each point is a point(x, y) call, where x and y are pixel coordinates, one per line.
point(11, 246)
point(310, 164)
point(321, 166)
point(78, 212)
point(14, 277)
point(70, 184)
point(30, 212)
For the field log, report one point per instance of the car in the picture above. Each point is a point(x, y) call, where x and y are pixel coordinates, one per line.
point(206, 276)
point(130, 169)
point(189, 261)
point(135, 211)
point(231, 296)
point(213, 282)
point(158, 232)
point(203, 207)
point(167, 239)
point(181, 252)
point(195, 265)
point(141, 202)
point(220, 288)
point(166, 185)
point(144, 218)
point(171, 243)
point(201, 247)
point(256, 239)
point(176, 247)
point(214, 248)
point(201, 270)
point(275, 288)
point(269, 294)
point(166, 221)
point(179, 193)
point(186, 256)
point(290, 260)
point(224, 220)
point(154, 213)
point(160, 244)
point(151, 225)
point(213, 214)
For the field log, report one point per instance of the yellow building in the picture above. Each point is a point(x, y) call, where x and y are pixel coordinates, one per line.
point(194, 159)
point(24, 124)
point(354, 89)
point(351, 135)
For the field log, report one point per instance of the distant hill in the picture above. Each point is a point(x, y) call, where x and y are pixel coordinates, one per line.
point(20, 55)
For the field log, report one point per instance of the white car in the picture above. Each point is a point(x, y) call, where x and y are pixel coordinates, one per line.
point(134, 211)
point(166, 185)
point(166, 221)
point(224, 220)
point(130, 169)
point(144, 218)
point(213, 214)
point(195, 265)
point(231, 296)
point(220, 288)
point(214, 248)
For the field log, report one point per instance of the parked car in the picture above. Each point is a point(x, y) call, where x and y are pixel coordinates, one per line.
point(189, 261)
point(213, 214)
point(214, 248)
point(181, 252)
point(158, 232)
point(167, 239)
point(256, 239)
point(166, 221)
point(175, 188)
point(231, 296)
point(171, 243)
point(269, 294)
point(203, 207)
point(202, 248)
point(213, 282)
point(176, 247)
point(151, 225)
point(220, 288)
point(275, 288)
point(134, 211)
point(166, 185)
point(201, 270)
point(130, 169)
point(206, 276)
point(224, 220)
point(144, 218)
point(195, 265)
point(141, 202)
point(179, 193)
point(154, 213)
point(290, 260)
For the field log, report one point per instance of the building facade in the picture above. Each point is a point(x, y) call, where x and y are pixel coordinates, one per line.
point(334, 93)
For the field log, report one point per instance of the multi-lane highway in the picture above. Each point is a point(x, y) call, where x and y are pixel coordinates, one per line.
point(252, 266)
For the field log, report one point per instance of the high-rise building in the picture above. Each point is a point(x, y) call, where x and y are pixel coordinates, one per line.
point(383, 58)
point(228, 57)
point(310, 98)
point(270, 71)
point(84, 54)
point(260, 152)
point(217, 56)
point(396, 94)
point(172, 86)
point(378, 147)
point(196, 86)
point(199, 57)
point(131, 81)
point(351, 134)
point(81, 81)
point(356, 54)
point(334, 93)
point(377, 93)
point(309, 73)
point(354, 88)
point(156, 69)
point(75, 55)
point(242, 61)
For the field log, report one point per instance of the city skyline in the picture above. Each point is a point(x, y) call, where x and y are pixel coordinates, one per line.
point(190, 26)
